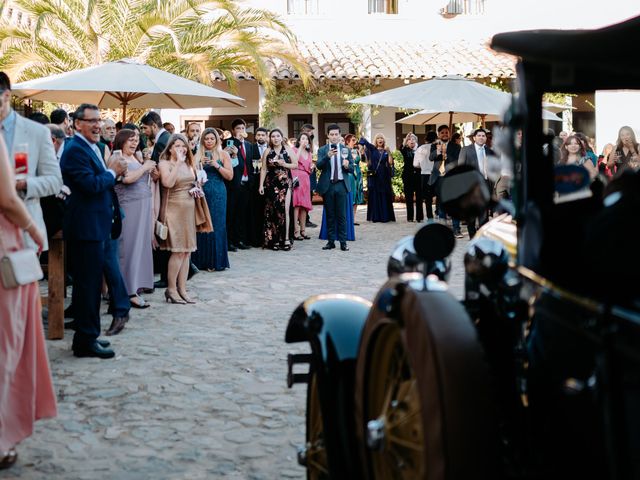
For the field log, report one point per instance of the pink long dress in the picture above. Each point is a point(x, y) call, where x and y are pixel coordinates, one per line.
point(302, 193)
point(26, 388)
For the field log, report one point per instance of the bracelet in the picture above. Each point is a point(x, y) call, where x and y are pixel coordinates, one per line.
point(29, 225)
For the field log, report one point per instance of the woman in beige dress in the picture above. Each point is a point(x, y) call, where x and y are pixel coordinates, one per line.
point(177, 211)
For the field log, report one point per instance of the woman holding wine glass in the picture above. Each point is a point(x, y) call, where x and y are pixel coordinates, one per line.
point(275, 184)
point(212, 253)
point(302, 192)
point(379, 174)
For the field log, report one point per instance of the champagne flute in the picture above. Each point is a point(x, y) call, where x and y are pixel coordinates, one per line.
point(344, 153)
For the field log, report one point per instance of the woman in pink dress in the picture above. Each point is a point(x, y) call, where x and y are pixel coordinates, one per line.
point(302, 193)
point(26, 389)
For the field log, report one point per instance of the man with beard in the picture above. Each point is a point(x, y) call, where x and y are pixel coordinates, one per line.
point(193, 136)
point(256, 204)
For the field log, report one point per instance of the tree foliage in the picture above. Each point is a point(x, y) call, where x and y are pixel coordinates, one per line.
point(190, 38)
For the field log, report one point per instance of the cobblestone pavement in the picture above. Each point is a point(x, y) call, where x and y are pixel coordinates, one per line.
point(199, 391)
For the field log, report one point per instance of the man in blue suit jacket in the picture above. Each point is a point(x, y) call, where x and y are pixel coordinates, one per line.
point(88, 224)
point(333, 187)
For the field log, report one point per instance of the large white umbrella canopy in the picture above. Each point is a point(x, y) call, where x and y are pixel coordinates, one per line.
point(428, 117)
point(123, 84)
point(443, 94)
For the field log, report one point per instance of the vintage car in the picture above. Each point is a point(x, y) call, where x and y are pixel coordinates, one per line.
point(535, 374)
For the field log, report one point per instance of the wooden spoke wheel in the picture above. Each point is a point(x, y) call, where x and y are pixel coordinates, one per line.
point(395, 439)
point(316, 453)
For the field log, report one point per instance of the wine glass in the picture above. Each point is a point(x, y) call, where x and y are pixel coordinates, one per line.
point(344, 153)
point(21, 159)
point(256, 165)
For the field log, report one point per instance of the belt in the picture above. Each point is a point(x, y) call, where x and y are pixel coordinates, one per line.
point(336, 181)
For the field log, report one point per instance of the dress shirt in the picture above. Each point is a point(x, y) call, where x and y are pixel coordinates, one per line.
point(9, 129)
point(481, 153)
point(421, 159)
point(60, 150)
point(160, 132)
point(261, 149)
point(339, 163)
point(96, 150)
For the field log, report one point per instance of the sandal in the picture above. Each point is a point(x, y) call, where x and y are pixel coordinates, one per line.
point(298, 237)
point(142, 303)
point(287, 246)
point(8, 459)
point(275, 248)
point(304, 235)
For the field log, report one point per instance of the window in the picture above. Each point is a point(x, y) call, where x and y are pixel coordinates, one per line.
point(296, 121)
point(303, 7)
point(463, 7)
point(383, 6)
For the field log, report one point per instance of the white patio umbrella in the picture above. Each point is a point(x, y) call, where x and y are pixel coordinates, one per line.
point(448, 94)
point(428, 117)
point(123, 84)
point(556, 107)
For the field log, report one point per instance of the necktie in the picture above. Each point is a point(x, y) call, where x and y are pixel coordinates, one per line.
point(484, 162)
point(442, 168)
point(335, 168)
point(244, 158)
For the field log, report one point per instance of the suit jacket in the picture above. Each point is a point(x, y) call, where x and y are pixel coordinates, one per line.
point(90, 209)
point(468, 156)
point(453, 151)
point(324, 164)
point(44, 177)
point(238, 170)
point(160, 145)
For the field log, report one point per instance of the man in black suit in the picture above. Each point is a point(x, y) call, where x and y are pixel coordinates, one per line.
point(152, 128)
point(444, 155)
point(239, 187)
point(256, 202)
point(476, 155)
point(89, 221)
point(333, 187)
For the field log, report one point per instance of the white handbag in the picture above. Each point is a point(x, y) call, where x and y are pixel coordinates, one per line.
point(21, 267)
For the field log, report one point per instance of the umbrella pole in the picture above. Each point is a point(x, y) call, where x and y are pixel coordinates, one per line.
point(450, 121)
point(124, 112)
point(482, 119)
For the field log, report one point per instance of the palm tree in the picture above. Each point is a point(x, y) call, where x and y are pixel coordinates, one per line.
point(191, 38)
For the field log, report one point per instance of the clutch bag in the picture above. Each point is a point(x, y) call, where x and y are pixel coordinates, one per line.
point(162, 231)
point(21, 267)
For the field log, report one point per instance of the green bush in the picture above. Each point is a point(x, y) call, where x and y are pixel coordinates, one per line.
point(396, 181)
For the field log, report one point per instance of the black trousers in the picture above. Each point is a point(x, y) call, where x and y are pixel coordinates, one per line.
point(427, 194)
point(481, 219)
point(88, 264)
point(413, 196)
point(335, 201)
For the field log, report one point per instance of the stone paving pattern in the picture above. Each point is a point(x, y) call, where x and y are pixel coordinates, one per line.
point(199, 391)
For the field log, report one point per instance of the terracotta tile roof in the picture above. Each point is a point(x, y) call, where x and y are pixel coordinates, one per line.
point(334, 60)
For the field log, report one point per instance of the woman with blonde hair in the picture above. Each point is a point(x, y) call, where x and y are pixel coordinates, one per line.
point(212, 253)
point(178, 213)
point(627, 151)
point(379, 174)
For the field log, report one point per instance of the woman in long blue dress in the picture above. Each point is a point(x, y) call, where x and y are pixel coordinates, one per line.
point(379, 173)
point(216, 163)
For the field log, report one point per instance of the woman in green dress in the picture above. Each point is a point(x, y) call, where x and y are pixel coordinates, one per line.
point(356, 178)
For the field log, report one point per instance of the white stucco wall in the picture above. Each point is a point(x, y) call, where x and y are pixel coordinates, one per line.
point(615, 109)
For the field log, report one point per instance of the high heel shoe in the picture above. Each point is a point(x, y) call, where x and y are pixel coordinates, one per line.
point(8, 459)
point(170, 298)
point(186, 297)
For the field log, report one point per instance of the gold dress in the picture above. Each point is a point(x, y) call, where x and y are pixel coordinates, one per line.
point(180, 213)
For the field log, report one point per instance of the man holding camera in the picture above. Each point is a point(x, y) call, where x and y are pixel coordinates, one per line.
point(239, 188)
point(333, 187)
point(444, 155)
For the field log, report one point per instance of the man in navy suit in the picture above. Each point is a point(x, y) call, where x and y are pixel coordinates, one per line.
point(476, 156)
point(89, 218)
point(333, 187)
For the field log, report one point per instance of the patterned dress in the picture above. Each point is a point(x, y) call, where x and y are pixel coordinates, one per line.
point(277, 184)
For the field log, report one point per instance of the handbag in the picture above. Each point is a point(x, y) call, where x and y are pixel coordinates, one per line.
point(203, 216)
point(295, 182)
point(161, 228)
point(20, 267)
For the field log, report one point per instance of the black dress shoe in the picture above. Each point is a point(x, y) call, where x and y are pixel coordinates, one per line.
point(232, 248)
point(329, 246)
point(117, 325)
point(343, 246)
point(93, 349)
point(160, 284)
point(70, 325)
point(193, 270)
point(243, 246)
point(310, 224)
point(104, 343)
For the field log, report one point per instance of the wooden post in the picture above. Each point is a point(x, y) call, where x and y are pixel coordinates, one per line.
point(55, 301)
